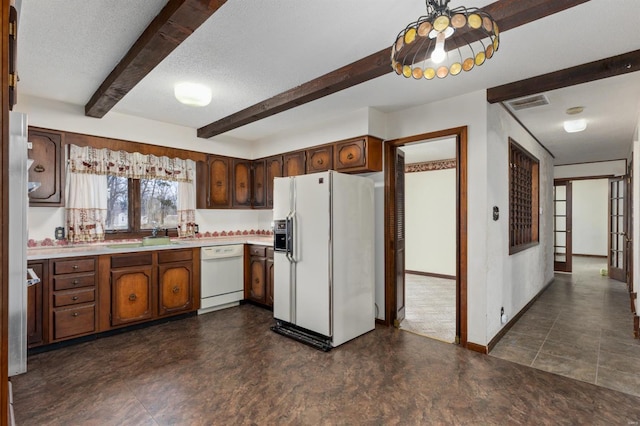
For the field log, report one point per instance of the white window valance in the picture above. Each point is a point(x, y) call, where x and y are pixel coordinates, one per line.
point(86, 159)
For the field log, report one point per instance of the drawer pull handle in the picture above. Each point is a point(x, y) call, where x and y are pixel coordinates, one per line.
point(75, 314)
point(242, 185)
point(257, 280)
point(350, 156)
point(320, 162)
point(176, 289)
point(75, 282)
point(39, 168)
point(75, 266)
point(74, 298)
point(219, 183)
point(132, 297)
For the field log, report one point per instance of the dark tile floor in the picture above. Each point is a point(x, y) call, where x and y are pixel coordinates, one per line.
point(227, 367)
point(580, 327)
point(430, 307)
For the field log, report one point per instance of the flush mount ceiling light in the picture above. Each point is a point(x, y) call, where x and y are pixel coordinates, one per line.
point(421, 48)
point(192, 94)
point(573, 126)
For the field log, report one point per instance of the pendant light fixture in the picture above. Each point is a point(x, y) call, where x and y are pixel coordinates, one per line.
point(425, 48)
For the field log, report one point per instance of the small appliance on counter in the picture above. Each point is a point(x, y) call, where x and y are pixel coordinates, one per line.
point(323, 258)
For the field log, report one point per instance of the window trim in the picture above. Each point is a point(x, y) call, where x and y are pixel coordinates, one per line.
point(134, 231)
point(534, 227)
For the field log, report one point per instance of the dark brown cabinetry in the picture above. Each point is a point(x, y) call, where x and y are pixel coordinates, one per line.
point(241, 183)
point(293, 163)
point(320, 159)
point(274, 169)
point(213, 179)
point(175, 281)
point(259, 186)
point(356, 155)
point(72, 298)
point(132, 289)
point(35, 304)
point(46, 153)
point(259, 279)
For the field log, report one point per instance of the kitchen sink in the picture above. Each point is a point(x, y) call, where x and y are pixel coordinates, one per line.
point(156, 241)
point(124, 245)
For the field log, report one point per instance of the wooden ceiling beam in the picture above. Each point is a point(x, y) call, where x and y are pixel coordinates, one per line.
point(508, 14)
point(175, 22)
point(596, 70)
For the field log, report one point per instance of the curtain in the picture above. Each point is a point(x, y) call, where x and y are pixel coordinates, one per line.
point(86, 206)
point(87, 171)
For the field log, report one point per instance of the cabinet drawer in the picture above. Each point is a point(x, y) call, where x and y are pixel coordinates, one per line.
point(131, 259)
point(257, 250)
point(73, 321)
point(74, 297)
point(73, 265)
point(166, 256)
point(73, 281)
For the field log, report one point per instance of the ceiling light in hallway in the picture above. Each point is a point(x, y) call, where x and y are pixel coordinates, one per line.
point(573, 126)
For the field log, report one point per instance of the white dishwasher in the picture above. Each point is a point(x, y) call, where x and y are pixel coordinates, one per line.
point(221, 277)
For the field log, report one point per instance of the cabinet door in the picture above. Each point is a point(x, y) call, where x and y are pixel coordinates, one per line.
point(274, 169)
point(46, 168)
point(259, 187)
point(294, 163)
point(257, 288)
point(35, 334)
point(320, 159)
point(131, 295)
point(241, 183)
point(175, 287)
point(350, 154)
point(219, 182)
point(269, 275)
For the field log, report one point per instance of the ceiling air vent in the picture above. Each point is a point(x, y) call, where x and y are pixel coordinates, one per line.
point(528, 102)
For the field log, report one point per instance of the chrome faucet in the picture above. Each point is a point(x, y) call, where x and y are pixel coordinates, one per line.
point(154, 230)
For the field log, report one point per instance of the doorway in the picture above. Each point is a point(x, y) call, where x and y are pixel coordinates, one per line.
point(395, 256)
point(430, 240)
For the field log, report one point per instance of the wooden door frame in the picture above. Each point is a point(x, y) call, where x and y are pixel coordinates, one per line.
point(390, 147)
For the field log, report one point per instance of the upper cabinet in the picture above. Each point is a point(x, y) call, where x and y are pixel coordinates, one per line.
point(46, 153)
point(294, 163)
point(258, 184)
point(320, 159)
point(274, 169)
point(241, 183)
point(213, 183)
point(363, 154)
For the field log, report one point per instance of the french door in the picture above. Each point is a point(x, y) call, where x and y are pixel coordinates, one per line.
point(617, 229)
point(562, 247)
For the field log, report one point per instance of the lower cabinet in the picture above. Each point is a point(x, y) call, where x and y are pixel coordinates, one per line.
point(35, 304)
point(131, 295)
point(72, 298)
point(175, 282)
point(259, 278)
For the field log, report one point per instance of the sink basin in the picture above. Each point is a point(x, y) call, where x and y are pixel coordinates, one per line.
point(156, 241)
point(124, 245)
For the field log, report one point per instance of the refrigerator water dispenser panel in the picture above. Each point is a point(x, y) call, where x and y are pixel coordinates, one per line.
point(280, 235)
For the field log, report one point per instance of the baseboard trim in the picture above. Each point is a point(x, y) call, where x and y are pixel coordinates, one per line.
point(430, 274)
point(590, 255)
point(515, 318)
point(381, 321)
point(477, 348)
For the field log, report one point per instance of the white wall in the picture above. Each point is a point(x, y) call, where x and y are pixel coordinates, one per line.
point(590, 216)
point(601, 168)
point(430, 221)
point(513, 280)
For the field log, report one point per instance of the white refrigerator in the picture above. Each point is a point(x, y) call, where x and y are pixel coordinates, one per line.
point(323, 258)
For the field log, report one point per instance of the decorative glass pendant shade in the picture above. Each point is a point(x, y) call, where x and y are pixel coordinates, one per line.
point(426, 48)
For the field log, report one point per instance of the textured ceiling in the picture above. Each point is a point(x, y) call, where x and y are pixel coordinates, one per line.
point(249, 51)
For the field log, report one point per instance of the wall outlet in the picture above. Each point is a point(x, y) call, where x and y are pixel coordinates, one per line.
point(59, 233)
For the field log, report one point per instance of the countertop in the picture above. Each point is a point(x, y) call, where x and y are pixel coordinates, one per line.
point(52, 252)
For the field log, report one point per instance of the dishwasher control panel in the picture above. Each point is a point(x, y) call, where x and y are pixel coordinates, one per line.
point(217, 252)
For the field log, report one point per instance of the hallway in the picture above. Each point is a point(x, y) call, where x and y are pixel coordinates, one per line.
point(580, 327)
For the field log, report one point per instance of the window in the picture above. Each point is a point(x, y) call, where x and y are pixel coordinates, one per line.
point(139, 205)
point(523, 198)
